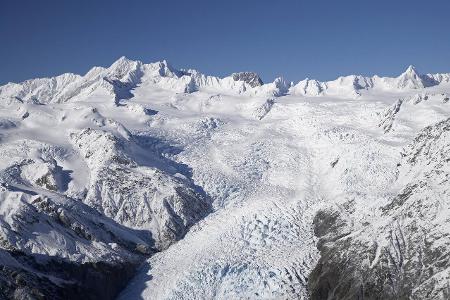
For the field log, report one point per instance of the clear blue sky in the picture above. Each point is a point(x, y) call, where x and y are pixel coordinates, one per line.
point(296, 39)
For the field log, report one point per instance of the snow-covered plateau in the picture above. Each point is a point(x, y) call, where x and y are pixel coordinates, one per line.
point(142, 181)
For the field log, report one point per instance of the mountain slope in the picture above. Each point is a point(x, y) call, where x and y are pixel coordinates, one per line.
point(405, 244)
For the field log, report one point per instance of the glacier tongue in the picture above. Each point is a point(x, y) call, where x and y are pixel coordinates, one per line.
point(223, 187)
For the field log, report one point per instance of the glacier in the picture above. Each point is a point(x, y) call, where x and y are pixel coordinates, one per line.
point(143, 181)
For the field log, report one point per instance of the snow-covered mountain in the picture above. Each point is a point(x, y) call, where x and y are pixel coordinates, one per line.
point(352, 86)
point(224, 188)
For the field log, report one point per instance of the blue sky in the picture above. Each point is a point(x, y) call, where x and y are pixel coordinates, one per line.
point(295, 39)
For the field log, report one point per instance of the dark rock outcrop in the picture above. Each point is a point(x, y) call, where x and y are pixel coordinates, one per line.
point(249, 77)
point(31, 278)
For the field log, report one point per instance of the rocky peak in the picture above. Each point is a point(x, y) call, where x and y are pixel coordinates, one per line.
point(166, 69)
point(411, 71)
point(410, 79)
point(251, 78)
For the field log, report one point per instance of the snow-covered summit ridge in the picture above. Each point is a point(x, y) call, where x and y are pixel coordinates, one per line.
point(353, 85)
point(124, 75)
point(120, 78)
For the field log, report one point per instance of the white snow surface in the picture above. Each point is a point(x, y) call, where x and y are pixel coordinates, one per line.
point(266, 158)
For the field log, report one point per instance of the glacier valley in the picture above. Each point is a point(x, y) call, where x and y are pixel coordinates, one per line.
point(142, 181)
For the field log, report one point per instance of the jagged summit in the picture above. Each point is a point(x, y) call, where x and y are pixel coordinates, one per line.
point(123, 60)
point(167, 70)
point(411, 79)
point(411, 70)
point(251, 78)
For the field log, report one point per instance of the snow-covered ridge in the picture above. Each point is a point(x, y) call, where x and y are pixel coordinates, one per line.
point(124, 75)
point(354, 85)
point(120, 78)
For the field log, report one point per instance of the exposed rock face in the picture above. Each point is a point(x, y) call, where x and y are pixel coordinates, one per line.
point(60, 280)
point(262, 110)
point(249, 77)
point(388, 117)
point(52, 247)
point(402, 253)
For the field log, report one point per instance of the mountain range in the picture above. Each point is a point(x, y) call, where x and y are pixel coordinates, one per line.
point(143, 181)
